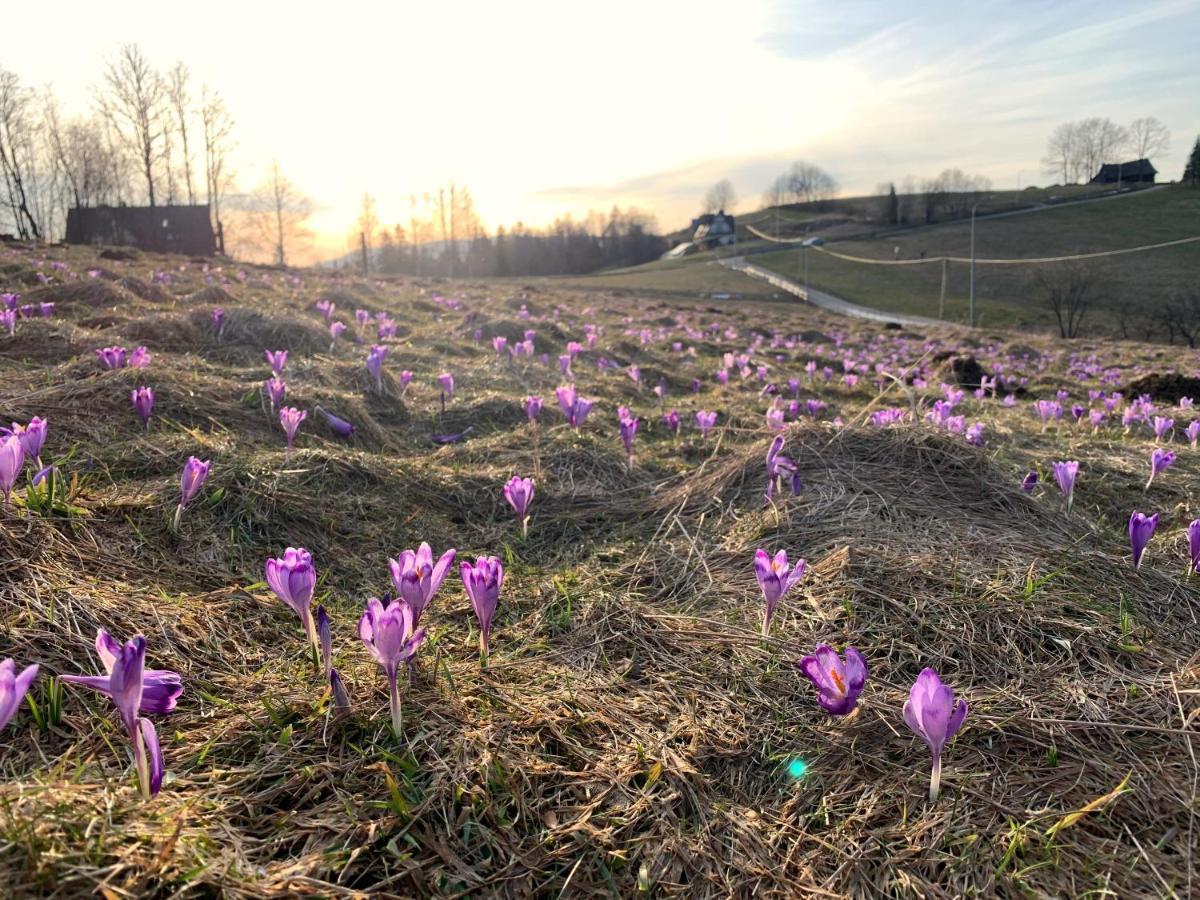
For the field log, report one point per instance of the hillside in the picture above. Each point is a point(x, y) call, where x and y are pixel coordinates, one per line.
point(633, 731)
point(1132, 288)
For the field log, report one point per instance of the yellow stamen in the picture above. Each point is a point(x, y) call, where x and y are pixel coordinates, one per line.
point(838, 680)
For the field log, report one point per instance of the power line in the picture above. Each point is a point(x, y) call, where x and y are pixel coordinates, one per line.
point(967, 259)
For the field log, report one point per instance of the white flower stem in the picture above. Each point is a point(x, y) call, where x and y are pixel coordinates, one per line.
point(935, 779)
point(397, 713)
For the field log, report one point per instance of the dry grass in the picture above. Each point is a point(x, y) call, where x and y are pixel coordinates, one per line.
point(633, 733)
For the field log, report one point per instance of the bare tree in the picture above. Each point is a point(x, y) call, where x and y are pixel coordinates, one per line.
point(1068, 291)
point(218, 142)
point(776, 193)
point(16, 152)
point(133, 102)
point(277, 216)
point(1062, 151)
point(1148, 138)
point(365, 228)
point(809, 183)
point(1180, 316)
point(1099, 141)
point(721, 196)
point(180, 99)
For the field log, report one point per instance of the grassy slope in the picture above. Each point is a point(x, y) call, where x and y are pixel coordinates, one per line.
point(633, 731)
point(1005, 292)
point(1131, 285)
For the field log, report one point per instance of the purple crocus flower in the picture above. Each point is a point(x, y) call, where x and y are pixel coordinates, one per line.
point(775, 577)
point(482, 581)
point(195, 472)
point(13, 688)
point(499, 343)
point(417, 578)
point(838, 682)
point(1065, 474)
point(574, 407)
point(293, 578)
point(139, 358)
point(1160, 461)
point(326, 308)
point(672, 422)
point(362, 316)
point(1193, 539)
point(143, 404)
point(705, 420)
point(1141, 529)
point(1029, 482)
point(113, 357)
point(405, 377)
point(1193, 432)
point(32, 437)
point(274, 388)
point(338, 425)
point(126, 684)
point(931, 712)
point(218, 320)
point(290, 418)
point(1162, 427)
point(8, 319)
point(533, 407)
point(12, 458)
point(375, 361)
point(780, 467)
point(387, 632)
point(276, 359)
point(519, 493)
point(160, 687)
point(628, 427)
point(335, 332)
point(446, 381)
point(324, 640)
point(45, 310)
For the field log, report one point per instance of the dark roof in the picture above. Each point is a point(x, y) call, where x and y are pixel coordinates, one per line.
point(166, 229)
point(1137, 167)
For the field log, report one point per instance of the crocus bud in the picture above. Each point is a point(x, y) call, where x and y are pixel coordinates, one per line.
point(143, 403)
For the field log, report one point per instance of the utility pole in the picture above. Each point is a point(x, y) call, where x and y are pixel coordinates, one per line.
point(942, 298)
point(973, 208)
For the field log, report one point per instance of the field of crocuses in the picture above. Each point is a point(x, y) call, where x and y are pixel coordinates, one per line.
point(320, 585)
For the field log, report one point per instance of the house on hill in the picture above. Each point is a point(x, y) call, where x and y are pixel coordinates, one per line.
point(1140, 171)
point(160, 229)
point(713, 230)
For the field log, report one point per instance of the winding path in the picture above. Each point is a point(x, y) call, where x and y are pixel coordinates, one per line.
point(820, 299)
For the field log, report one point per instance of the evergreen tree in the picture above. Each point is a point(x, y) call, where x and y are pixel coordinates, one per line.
point(502, 267)
point(892, 210)
point(1191, 172)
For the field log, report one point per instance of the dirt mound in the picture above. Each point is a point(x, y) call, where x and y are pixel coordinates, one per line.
point(1165, 387)
point(120, 254)
point(92, 293)
point(213, 295)
point(965, 371)
point(141, 289)
point(261, 331)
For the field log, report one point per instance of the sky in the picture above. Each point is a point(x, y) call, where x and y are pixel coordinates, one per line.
point(543, 108)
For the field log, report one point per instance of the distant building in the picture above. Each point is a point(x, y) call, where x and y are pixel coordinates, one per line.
point(1140, 171)
point(713, 230)
point(161, 229)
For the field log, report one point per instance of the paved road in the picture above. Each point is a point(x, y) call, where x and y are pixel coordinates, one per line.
point(820, 299)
